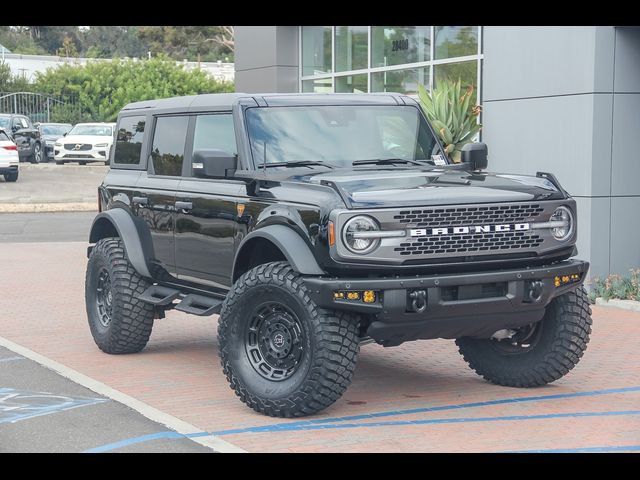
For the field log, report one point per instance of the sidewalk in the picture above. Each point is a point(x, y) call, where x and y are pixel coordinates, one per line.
point(52, 188)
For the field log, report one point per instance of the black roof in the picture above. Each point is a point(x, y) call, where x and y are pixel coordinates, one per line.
point(219, 101)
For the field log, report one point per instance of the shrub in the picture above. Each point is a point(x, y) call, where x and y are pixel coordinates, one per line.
point(451, 114)
point(616, 286)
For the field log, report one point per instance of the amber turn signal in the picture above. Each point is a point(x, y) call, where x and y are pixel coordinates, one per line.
point(332, 234)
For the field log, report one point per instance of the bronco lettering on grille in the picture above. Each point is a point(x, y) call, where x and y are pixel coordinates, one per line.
point(424, 232)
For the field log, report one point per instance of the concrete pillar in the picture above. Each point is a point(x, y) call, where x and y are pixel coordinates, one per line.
point(567, 100)
point(266, 59)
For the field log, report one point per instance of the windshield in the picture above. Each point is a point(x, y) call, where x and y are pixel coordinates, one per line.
point(340, 135)
point(91, 130)
point(55, 129)
point(4, 122)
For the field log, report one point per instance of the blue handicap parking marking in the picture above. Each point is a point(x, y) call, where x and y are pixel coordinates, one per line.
point(17, 405)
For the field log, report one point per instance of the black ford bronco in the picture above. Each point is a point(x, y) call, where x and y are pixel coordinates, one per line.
point(315, 222)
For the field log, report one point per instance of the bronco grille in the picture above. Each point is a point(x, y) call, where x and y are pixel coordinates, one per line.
point(445, 217)
point(480, 242)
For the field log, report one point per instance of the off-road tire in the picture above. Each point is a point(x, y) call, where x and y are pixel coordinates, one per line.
point(566, 327)
point(132, 319)
point(11, 177)
point(331, 345)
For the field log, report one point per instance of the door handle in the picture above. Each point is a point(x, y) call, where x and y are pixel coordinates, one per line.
point(140, 200)
point(184, 206)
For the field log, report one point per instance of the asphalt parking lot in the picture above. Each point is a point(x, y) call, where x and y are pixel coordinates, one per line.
point(419, 397)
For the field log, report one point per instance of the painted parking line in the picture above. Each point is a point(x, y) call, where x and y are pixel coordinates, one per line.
point(17, 405)
point(316, 424)
point(10, 359)
point(165, 435)
point(158, 416)
point(617, 448)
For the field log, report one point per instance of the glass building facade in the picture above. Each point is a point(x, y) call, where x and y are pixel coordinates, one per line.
point(354, 59)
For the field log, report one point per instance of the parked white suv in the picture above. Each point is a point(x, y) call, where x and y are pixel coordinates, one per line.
point(8, 157)
point(86, 142)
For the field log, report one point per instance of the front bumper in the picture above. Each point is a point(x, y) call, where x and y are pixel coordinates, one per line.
point(457, 305)
point(101, 154)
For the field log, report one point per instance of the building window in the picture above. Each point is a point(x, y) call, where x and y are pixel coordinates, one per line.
point(400, 81)
point(388, 59)
point(400, 45)
point(456, 41)
point(352, 84)
point(352, 48)
point(316, 50)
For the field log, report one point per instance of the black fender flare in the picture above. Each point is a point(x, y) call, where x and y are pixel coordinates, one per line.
point(127, 231)
point(290, 243)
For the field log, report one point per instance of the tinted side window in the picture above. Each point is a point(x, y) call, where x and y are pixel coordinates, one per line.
point(129, 140)
point(215, 132)
point(169, 139)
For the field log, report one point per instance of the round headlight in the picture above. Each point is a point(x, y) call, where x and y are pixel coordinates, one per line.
point(564, 215)
point(354, 234)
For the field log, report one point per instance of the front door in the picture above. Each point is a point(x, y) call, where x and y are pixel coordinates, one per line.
point(205, 230)
point(154, 199)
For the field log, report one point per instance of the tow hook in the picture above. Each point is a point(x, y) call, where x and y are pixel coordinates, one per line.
point(418, 301)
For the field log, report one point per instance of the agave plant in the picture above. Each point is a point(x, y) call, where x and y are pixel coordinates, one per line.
point(451, 114)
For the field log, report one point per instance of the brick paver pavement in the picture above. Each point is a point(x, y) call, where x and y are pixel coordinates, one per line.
point(42, 308)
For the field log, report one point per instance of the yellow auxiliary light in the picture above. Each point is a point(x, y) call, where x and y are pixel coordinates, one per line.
point(369, 296)
point(558, 281)
point(353, 295)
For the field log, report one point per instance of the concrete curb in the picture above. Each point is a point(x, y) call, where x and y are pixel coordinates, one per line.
point(48, 207)
point(632, 305)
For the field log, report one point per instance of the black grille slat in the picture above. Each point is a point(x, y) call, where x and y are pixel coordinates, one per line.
point(448, 217)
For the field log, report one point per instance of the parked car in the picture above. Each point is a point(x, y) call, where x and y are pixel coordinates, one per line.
point(49, 133)
point(85, 142)
point(313, 223)
point(24, 134)
point(8, 157)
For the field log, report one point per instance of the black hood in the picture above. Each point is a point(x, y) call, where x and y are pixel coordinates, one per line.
point(379, 188)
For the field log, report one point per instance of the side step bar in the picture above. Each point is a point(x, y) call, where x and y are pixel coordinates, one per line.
point(199, 305)
point(159, 295)
point(190, 303)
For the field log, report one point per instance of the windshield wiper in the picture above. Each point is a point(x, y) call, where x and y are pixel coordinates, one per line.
point(385, 161)
point(299, 163)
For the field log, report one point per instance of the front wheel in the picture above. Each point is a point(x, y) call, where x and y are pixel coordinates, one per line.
point(536, 354)
point(36, 156)
point(283, 355)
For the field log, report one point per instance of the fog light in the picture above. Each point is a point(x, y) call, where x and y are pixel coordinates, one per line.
point(353, 295)
point(558, 281)
point(369, 296)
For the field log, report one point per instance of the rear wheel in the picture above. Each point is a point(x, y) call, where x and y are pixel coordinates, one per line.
point(11, 177)
point(119, 321)
point(59, 162)
point(536, 354)
point(283, 355)
point(82, 163)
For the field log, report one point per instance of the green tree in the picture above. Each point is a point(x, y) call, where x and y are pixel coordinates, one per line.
point(103, 88)
point(205, 43)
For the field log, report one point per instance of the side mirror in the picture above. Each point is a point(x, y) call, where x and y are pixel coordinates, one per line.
point(475, 154)
point(213, 163)
point(65, 134)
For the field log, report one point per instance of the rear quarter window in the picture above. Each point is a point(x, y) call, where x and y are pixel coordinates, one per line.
point(129, 137)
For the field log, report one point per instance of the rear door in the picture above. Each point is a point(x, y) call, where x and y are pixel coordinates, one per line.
point(205, 232)
point(155, 193)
